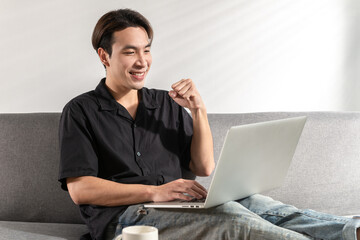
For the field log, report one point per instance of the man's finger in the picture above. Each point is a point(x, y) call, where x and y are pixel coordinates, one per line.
point(185, 89)
point(181, 196)
point(172, 94)
point(178, 85)
point(195, 187)
point(200, 191)
point(175, 84)
point(193, 193)
point(201, 187)
point(189, 93)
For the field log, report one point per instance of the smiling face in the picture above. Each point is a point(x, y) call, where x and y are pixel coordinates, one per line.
point(130, 61)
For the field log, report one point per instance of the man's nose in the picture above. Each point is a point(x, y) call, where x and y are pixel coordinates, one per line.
point(141, 61)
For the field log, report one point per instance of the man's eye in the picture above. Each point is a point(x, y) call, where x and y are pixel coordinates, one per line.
point(129, 53)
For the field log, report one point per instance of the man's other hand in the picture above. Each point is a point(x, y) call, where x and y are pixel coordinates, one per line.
point(186, 95)
point(177, 190)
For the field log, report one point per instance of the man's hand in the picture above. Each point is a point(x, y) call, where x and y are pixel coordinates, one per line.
point(177, 189)
point(186, 95)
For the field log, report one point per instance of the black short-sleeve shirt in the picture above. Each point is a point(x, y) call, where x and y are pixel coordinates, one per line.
point(98, 137)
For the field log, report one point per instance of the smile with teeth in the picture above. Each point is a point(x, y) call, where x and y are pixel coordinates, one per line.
point(137, 74)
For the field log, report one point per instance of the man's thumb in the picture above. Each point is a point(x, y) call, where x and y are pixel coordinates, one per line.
point(172, 94)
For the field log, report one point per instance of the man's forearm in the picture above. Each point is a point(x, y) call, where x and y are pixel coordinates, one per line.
point(202, 156)
point(101, 192)
point(98, 191)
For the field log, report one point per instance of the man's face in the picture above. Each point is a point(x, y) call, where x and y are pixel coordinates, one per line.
point(130, 60)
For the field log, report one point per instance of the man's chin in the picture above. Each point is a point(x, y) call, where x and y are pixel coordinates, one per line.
point(138, 86)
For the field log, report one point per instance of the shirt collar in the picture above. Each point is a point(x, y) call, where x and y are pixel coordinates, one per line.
point(107, 102)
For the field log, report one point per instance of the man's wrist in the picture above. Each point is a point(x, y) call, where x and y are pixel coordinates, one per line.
point(150, 193)
point(198, 112)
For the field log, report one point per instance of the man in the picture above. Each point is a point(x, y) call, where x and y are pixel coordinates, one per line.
point(123, 144)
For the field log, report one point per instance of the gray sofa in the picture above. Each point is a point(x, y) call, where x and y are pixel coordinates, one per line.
point(324, 174)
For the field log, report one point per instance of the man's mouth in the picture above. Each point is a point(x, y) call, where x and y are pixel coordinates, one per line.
point(138, 76)
point(137, 73)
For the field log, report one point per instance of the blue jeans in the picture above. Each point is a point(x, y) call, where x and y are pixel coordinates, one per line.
point(256, 217)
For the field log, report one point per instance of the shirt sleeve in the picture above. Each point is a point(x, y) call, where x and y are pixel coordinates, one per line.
point(77, 146)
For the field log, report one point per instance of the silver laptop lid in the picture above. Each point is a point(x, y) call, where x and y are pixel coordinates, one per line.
point(254, 158)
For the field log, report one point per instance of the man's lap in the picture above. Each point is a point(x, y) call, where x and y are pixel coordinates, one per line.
point(255, 217)
point(228, 221)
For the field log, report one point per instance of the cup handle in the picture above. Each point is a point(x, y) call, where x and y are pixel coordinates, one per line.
point(119, 237)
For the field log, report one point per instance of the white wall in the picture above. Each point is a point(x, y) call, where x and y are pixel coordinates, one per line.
point(245, 56)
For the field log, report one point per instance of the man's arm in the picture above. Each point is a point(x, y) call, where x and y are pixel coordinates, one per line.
point(97, 191)
point(202, 157)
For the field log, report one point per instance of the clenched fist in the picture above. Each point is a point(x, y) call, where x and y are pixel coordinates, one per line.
point(186, 95)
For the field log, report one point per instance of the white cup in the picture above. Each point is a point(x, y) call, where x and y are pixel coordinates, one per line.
point(139, 233)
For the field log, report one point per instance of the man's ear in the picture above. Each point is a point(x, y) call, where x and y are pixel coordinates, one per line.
point(104, 57)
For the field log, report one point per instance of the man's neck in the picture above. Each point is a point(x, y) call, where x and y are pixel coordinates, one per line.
point(128, 98)
point(125, 98)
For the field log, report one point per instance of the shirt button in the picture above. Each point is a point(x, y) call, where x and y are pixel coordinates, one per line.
point(135, 125)
point(138, 154)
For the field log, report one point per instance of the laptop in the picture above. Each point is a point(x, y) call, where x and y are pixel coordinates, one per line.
point(254, 158)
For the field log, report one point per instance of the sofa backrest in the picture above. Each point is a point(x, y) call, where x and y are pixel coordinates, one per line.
point(29, 160)
point(324, 174)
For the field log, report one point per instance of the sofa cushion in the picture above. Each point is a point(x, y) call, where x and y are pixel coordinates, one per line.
point(41, 231)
